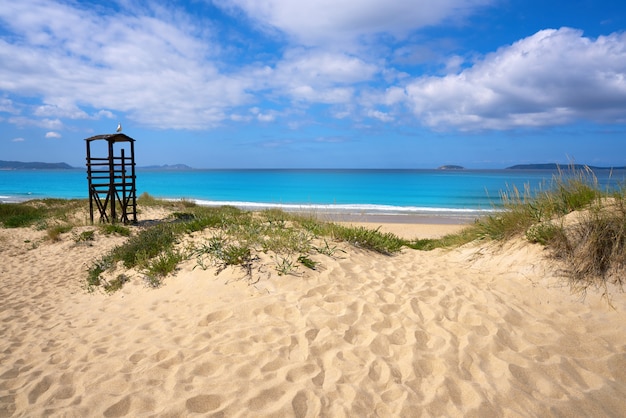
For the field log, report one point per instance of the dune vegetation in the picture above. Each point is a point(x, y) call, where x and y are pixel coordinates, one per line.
point(580, 225)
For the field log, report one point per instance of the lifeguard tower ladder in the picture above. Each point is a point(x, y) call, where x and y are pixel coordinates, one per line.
point(112, 180)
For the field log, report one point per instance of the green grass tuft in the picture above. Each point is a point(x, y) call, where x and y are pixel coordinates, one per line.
point(147, 244)
point(117, 229)
point(116, 284)
point(54, 233)
point(17, 215)
point(162, 265)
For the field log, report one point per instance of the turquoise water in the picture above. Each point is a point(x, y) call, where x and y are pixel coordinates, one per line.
point(358, 191)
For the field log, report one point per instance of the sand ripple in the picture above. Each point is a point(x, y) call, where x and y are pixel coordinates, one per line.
point(472, 332)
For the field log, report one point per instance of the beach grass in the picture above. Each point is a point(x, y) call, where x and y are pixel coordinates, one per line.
point(238, 237)
point(593, 248)
point(39, 211)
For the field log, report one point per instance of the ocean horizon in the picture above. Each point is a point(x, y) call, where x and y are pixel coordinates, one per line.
point(466, 192)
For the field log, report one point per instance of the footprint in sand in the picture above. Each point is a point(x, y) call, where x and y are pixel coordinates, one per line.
point(216, 316)
point(118, 409)
point(202, 404)
point(40, 388)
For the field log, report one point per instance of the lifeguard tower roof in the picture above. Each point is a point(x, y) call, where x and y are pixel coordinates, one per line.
point(111, 138)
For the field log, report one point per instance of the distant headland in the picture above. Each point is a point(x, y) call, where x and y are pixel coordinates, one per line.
point(554, 166)
point(166, 167)
point(18, 165)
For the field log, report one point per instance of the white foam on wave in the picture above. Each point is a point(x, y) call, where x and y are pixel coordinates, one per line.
point(365, 209)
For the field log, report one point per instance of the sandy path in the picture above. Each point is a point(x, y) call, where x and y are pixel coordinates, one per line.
point(471, 332)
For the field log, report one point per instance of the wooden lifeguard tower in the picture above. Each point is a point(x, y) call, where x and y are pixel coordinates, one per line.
point(112, 178)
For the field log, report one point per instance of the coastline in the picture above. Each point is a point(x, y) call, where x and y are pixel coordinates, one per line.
point(356, 191)
point(405, 226)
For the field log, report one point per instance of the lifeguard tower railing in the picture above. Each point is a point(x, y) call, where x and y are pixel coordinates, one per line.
point(111, 179)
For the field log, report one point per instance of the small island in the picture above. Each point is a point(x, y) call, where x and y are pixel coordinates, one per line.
point(166, 167)
point(18, 165)
point(555, 166)
point(451, 167)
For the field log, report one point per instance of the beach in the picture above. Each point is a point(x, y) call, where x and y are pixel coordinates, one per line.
point(484, 330)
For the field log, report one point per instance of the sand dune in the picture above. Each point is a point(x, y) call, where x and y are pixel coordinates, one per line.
point(478, 331)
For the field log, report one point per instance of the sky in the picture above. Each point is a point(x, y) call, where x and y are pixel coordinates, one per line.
point(318, 83)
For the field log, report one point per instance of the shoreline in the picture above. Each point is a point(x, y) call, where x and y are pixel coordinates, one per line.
point(422, 219)
point(334, 213)
point(404, 226)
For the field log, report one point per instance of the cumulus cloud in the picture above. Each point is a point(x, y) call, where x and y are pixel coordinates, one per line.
point(312, 76)
point(550, 78)
point(268, 116)
point(45, 123)
point(377, 114)
point(68, 110)
point(323, 67)
point(19, 139)
point(159, 71)
point(54, 135)
point(332, 21)
point(163, 68)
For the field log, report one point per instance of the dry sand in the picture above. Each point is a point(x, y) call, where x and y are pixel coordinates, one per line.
point(477, 331)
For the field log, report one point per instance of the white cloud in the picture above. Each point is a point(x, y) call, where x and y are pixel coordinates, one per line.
point(19, 139)
point(6, 105)
point(323, 67)
point(377, 114)
point(53, 135)
point(160, 68)
point(315, 76)
point(103, 114)
point(550, 78)
point(162, 76)
point(66, 110)
point(343, 21)
point(22, 121)
point(266, 117)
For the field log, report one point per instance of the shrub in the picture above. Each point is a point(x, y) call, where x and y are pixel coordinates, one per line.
point(543, 233)
point(147, 244)
point(116, 284)
point(54, 232)
point(16, 215)
point(85, 236)
point(595, 248)
point(118, 229)
point(94, 273)
point(162, 265)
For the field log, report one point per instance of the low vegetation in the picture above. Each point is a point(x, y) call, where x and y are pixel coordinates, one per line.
point(592, 246)
point(236, 238)
point(574, 219)
point(577, 222)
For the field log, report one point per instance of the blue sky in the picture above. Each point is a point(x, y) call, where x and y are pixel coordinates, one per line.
point(317, 84)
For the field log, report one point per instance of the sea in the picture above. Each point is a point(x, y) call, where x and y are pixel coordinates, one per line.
point(457, 193)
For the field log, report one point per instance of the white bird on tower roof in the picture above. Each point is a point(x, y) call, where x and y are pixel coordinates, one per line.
point(119, 127)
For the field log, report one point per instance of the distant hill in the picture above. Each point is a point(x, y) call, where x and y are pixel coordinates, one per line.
point(166, 167)
point(553, 166)
point(18, 165)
